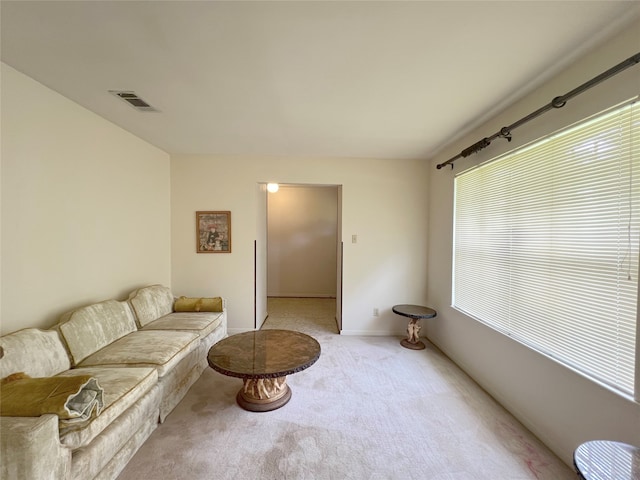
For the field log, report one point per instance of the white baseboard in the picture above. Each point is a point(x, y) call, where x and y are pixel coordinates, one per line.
point(373, 333)
point(301, 295)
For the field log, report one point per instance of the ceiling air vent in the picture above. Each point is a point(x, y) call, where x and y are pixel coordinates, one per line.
point(134, 100)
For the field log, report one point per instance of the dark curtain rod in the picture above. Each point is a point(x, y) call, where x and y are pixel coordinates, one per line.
point(558, 102)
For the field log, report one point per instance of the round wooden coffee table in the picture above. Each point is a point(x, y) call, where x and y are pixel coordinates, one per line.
point(263, 359)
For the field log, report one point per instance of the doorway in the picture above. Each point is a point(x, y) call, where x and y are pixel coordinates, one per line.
point(303, 254)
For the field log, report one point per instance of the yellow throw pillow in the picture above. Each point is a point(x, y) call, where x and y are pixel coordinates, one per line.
point(187, 304)
point(74, 398)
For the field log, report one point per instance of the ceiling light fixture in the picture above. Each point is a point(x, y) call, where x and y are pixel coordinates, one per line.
point(273, 187)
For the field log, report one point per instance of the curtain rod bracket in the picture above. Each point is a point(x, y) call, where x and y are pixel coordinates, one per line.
point(505, 133)
point(558, 102)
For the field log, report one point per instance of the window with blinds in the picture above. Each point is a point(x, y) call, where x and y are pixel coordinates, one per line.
point(546, 245)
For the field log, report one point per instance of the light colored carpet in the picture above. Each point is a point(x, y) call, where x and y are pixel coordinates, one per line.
point(367, 409)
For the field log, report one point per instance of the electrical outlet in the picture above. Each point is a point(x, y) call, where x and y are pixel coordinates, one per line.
point(376, 312)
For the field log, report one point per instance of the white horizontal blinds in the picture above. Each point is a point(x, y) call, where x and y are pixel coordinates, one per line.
point(547, 243)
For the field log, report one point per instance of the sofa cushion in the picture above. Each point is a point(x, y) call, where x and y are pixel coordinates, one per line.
point(91, 328)
point(109, 452)
point(151, 303)
point(122, 388)
point(202, 323)
point(38, 353)
point(161, 350)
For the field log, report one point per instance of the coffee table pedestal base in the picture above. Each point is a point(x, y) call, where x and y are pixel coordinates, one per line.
point(264, 394)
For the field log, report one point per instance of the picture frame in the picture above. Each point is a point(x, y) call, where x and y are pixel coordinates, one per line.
point(213, 232)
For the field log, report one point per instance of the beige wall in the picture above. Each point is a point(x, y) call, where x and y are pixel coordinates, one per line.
point(85, 207)
point(383, 202)
point(561, 407)
point(301, 249)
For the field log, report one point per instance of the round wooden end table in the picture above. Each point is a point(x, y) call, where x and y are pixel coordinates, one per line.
point(415, 313)
point(263, 359)
point(607, 460)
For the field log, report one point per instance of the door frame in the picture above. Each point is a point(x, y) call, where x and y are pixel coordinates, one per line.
point(260, 254)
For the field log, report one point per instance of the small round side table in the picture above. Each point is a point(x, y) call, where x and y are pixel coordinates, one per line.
point(415, 313)
point(607, 460)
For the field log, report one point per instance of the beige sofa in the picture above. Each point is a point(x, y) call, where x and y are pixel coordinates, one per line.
point(143, 354)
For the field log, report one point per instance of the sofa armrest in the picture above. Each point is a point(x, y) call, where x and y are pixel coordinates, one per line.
point(30, 448)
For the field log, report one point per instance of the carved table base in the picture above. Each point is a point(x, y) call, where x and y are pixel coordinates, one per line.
point(413, 336)
point(264, 394)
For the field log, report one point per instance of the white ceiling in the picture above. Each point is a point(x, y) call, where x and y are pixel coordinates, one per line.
point(367, 79)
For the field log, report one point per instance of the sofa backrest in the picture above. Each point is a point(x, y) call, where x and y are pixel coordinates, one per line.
point(151, 303)
point(88, 329)
point(38, 353)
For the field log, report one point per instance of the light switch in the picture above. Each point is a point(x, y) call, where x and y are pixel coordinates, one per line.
point(354, 238)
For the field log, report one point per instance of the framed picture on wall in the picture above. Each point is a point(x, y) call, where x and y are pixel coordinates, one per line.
point(213, 232)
